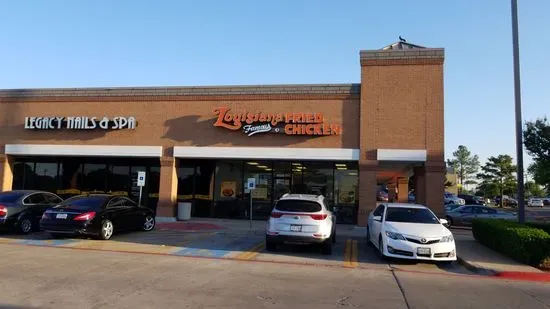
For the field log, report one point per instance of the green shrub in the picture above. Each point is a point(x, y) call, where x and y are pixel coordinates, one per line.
point(523, 243)
point(540, 225)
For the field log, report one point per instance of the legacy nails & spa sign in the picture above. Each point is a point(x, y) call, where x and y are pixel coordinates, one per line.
point(313, 124)
point(79, 123)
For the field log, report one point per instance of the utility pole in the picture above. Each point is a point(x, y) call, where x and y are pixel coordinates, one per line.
point(519, 124)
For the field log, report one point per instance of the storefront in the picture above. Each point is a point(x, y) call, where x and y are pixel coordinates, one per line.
point(201, 144)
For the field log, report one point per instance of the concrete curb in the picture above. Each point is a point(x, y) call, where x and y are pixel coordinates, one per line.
point(476, 268)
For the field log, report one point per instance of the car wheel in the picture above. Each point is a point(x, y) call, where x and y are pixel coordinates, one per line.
point(450, 220)
point(270, 246)
point(149, 224)
point(25, 225)
point(107, 230)
point(381, 248)
point(327, 247)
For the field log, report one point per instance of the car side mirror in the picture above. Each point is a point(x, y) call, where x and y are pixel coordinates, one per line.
point(444, 222)
point(377, 218)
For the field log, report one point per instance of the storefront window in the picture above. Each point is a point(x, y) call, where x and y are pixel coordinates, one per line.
point(46, 177)
point(94, 177)
point(153, 187)
point(262, 171)
point(204, 189)
point(282, 179)
point(71, 178)
point(228, 189)
point(19, 175)
point(345, 191)
point(186, 174)
point(318, 178)
point(118, 180)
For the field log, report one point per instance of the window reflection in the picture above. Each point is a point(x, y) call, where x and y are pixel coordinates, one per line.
point(262, 172)
point(46, 176)
point(94, 176)
point(345, 191)
point(229, 189)
point(118, 180)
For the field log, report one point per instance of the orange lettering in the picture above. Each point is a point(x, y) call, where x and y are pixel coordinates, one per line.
point(298, 118)
point(326, 129)
point(224, 117)
point(317, 129)
point(309, 129)
point(319, 118)
point(288, 129)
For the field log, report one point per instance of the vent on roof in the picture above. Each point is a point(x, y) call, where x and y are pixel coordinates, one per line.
point(402, 44)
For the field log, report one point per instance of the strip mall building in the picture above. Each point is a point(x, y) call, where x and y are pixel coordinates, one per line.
point(201, 144)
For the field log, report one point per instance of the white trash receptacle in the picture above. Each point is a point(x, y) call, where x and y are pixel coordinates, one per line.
point(184, 211)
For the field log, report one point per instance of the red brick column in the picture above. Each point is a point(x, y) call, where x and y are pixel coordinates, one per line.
point(168, 189)
point(367, 190)
point(430, 186)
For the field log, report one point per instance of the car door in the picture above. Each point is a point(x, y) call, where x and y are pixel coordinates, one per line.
point(466, 215)
point(376, 225)
point(117, 212)
point(49, 201)
point(34, 205)
point(134, 215)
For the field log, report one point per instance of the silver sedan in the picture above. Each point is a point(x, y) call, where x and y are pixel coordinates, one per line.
point(464, 215)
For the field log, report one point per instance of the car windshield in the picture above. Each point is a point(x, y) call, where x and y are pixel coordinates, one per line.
point(298, 206)
point(410, 215)
point(84, 202)
point(10, 197)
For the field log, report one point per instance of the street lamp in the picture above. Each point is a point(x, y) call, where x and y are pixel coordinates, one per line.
point(519, 126)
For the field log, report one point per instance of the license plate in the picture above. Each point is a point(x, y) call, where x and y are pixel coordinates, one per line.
point(423, 251)
point(61, 216)
point(295, 228)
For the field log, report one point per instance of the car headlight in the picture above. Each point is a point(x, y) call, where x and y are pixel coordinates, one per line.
point(396, 236)
point(448, 238)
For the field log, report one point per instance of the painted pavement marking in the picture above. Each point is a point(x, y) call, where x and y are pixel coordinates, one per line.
point(350, 254)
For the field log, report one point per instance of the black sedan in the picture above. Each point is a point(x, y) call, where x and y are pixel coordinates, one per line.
point(99, 215)
point(21, 210)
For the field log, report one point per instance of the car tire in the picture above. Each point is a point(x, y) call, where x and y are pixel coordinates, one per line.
point(149, 223)
point(381, 248)
point(107, 230)
point(369, 243)
point(450, 220)
point(25, 225)
point(326, 247)
point(270, 245)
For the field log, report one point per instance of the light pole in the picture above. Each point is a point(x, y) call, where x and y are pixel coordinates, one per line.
point(519, 125)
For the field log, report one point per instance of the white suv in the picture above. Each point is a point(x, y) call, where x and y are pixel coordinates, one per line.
point(301, 218)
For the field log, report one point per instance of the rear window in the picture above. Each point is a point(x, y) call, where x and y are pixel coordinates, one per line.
point(84, 202)
point(298, 206)
point(10, 197)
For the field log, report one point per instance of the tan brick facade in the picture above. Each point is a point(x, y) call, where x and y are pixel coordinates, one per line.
point(397, 105)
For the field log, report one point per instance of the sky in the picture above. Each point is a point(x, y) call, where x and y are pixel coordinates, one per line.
point(49, 43)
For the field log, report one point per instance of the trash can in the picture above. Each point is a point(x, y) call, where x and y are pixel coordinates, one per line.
point(184, 211)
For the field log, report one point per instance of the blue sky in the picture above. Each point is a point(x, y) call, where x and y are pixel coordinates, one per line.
point(168, 43)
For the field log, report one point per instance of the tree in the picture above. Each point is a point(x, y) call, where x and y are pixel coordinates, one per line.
point(533, 190)
point(537, 143)
point(465, 166)
point(498, 174)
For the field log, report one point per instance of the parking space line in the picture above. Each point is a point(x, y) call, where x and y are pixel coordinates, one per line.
point(350, 254)
point(251, 253)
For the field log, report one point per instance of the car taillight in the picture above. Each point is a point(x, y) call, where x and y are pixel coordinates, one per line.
point(85, 216)
point(276, 214)
point(319, 216)
point(3, 211)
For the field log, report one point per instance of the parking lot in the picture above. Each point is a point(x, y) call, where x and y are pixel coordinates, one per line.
point(349, 251)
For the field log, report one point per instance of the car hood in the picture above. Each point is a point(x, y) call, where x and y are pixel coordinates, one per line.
point(417, 229)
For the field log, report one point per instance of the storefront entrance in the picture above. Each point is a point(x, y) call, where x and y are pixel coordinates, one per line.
point(216, 187)
point(69, 176)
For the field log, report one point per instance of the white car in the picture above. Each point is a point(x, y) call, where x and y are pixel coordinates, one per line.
point(450, 198)
point(410, 231)
point(535, 202)
point(303, 219)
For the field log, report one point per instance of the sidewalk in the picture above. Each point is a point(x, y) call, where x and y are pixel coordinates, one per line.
point(483, 260)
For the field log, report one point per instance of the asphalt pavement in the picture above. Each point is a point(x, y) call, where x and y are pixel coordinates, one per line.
point(50, 277)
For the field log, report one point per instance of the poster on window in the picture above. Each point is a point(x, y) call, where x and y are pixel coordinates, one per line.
point(259, 193)
point(228, 189)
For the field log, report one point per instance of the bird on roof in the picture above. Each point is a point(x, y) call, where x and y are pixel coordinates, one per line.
point(402, 39)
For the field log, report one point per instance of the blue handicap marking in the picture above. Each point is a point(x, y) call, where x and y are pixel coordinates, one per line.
point(46, 242)
point(218, 248)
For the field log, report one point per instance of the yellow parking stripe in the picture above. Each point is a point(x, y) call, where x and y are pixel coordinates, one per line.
point(252, 253)
point(350, 254)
